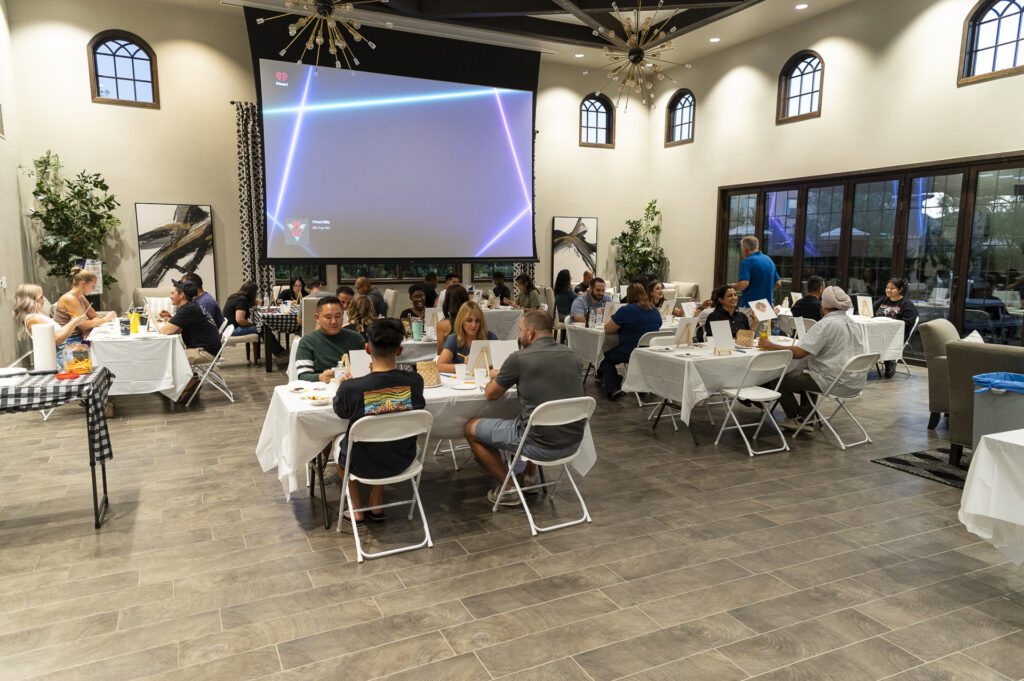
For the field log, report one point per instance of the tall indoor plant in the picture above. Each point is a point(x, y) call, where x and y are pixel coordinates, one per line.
point(75, 215)
point(637, 249)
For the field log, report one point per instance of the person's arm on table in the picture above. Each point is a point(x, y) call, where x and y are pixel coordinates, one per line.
point(798, 352)
point(444, 327)
point(446, 358)
point(503, 379)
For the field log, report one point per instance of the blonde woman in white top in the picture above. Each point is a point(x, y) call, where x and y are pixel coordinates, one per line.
point(28, 303)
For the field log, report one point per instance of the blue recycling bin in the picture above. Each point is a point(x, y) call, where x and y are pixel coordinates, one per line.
point(998, 403)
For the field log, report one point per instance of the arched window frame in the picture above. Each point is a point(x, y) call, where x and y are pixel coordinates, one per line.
point(609, 108)
point(967, 45)
point(784, 77)
point(670, 110)
point(115, 34)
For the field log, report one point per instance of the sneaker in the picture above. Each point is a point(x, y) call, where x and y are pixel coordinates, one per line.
point(529, 481)
point(507, 499)
point(790, 424)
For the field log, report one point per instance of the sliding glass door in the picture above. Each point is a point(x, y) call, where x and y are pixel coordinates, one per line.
point(872, 233)
point(742, 222)
point(822, 235)
point(779, 241)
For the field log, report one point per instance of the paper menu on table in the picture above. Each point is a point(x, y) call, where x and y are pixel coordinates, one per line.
point(686, 330)
point(864, 306)
point(721, 338)
point(763, 310)
point(667, 307)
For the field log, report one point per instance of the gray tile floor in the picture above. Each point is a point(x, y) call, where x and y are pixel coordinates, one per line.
point(700, 564)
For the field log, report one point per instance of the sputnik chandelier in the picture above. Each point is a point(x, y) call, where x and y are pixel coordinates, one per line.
point(325, 21)
point(636, 62)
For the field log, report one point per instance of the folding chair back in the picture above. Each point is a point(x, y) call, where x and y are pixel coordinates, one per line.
point(762, 368)
point(390, 427)
point(560, 413)
point(209, 373)
point(859, 364)
point(766, 366)
point(648, 338)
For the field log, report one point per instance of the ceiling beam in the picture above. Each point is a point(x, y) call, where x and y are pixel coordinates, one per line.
point(460, 9)
point(691, 20)
point(538, 29)
point(595, 25)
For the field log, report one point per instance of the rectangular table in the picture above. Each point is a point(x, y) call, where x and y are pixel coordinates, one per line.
point(590, 344)
point(295, 431)
point(883, 335)
point(35, 393)
point(141, 363)
point(992, 505)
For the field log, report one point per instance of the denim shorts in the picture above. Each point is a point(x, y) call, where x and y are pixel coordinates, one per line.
point(505, 434)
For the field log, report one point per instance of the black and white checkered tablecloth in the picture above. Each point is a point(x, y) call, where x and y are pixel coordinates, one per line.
point(282, 322)
point(46, 392)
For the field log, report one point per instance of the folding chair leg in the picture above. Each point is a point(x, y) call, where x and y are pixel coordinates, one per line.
point(323, 492)
point(586, 375)
point(46, 413)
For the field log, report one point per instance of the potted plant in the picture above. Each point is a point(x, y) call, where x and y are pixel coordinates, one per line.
point(637, 250)
point(74, 215)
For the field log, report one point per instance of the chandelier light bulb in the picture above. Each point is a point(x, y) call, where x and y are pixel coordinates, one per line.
point(260, 20)
point(337, 64)
point(320, 40)
point(356, 25)
point(371, 45)
point(356, 62)
point(586, 73)
point(661, 76)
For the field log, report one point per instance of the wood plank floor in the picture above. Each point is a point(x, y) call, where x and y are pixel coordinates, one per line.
point(701, 563)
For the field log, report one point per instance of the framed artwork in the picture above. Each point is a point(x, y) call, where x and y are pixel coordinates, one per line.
point(573, 246)
point(174, 239)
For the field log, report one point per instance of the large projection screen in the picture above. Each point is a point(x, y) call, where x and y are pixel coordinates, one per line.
point(371, 167)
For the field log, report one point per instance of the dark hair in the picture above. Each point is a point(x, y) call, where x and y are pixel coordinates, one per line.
point(385, 336)
point(498, 274)
point(595, 281)
point(414, 288)
point(563, 282)
point(451, 275)
point(815, 283)
point(187, 288)
point(291, 283)
point(720, 293)
point(649, 287)
point(314, 283)
point(248, 291)
point(347, 290)
point(900, 284)
point(539, 320)
point(327, 300)
point(455, 295)
point(194, 278)
point(430, 276)
point(636, 294)
point(527, 281)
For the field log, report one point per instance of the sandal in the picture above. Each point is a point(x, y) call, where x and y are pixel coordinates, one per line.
point(375, 517)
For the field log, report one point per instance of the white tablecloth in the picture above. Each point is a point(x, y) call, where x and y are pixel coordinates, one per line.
point(144, 363)
point(992, 505)
point(503, 323)
point(591, 344)
point(417, 351)
point(294, 431)
point(883, 335)
point(688, 375)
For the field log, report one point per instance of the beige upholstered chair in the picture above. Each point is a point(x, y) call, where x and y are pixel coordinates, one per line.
point(390, 296)
point(139, 295)
point(307, 312)
point(934, 336)
point(683, 290)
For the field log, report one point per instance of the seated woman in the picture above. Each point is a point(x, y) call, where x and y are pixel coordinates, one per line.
point(418, 298)
point(526, 296)
point(725, 301)
point(361, 314)
point(564, 295)
point(470, 325)
point(631, 321)
point(455, 296)
point(73, 304)
point(29, 303)
point(295, 291)
point(236, 311)
point(896, 306)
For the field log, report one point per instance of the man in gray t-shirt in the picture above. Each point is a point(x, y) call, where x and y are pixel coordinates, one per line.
point(542, 370)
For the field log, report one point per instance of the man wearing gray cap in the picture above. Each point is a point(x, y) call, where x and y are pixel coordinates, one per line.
point(827, 346)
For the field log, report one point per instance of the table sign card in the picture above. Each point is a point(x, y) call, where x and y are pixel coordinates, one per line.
point(358, 363)
point(685, 331)
point(610, 308)
point(689, 308)
point(667, 307)
point(864, 307)
point(794, 296)
point(763, 310)
point(800, 326)
point(433, 316)
point(722, 341)
point(496, 353)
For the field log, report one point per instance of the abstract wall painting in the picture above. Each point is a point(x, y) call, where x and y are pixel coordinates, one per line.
point(174, 239)
point(573, 246)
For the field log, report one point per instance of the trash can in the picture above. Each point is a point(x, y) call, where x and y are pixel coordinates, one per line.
point(998, 403)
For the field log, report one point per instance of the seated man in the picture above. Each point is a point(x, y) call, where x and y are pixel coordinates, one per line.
point(202, 340)
point(364, 287)
point(320, 351)
point(827, 345)
point(205, 300)
point(594, 298)
point(450, 279)
point(542, 370)
point(585, 284)
point(316, 289)
point(345, 296)
point(809, 306)
point(502, 293)
point(418, 298)
point(384, 390)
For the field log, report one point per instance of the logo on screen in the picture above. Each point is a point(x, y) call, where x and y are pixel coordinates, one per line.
point(282, 78)
point(297, 232)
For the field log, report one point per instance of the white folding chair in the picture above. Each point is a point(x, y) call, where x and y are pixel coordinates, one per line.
point(385, 428)
point(553, 413)
point(208, 372)
point(763, 367)
point(906, 344)
point(859, 364)
point(647, 340)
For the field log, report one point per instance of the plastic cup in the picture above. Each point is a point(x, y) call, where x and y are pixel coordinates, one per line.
point(480, 375)
point(460, 372)
point(126, 326)
point(417, 329)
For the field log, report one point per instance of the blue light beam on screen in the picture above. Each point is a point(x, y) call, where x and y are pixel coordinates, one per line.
point(502, 232)
point(515, 157)
point(278, 224)
point(295, 138)
point(372, 103)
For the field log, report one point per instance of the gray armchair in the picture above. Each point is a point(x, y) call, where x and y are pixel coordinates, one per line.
point(934, 336)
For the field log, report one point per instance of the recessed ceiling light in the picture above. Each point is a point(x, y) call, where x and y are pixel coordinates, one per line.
point(802, 5)
point(578, 55)
point(714, 40)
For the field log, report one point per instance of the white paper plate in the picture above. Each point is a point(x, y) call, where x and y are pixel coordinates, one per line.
point(12, 371)
point(317, 402)
point(463, 386)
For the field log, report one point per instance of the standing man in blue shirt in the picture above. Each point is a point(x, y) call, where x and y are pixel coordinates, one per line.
point(758, 276)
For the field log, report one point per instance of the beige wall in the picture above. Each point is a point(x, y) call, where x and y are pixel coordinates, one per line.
point(183, 152)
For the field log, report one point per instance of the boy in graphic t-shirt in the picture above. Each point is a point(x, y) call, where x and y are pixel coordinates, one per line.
point(384, 390)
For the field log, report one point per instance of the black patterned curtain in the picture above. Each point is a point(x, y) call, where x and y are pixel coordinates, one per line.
point(527, 268)
point(252, 211)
